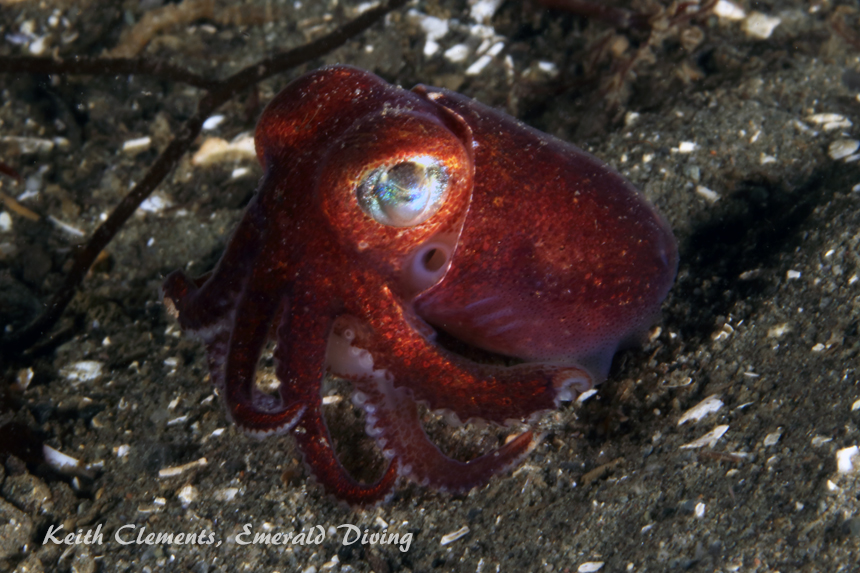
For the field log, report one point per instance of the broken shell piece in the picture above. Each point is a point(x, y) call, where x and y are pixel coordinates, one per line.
point(729, 10)
point(226, 494)
point(760, 26)
point(65, 464)
point(454, 535)
point(187, 495)
point(845, 459)
point(83, 371)
point(22, 382)
point(710, 439)
point(178, 470)
point(773, 438)
point(216, 150)
point(779, 330)
point(708, 194)
point(134, 146)
point(707, 406)
point(842, 148)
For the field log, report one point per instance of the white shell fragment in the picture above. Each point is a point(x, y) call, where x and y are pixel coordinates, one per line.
point(29, 144)
point(551, 70)
point(435, 28)
point(457, 53)
point(23, 379)
point(156, 506)
point(590, 567)
point(478, 66)
point(5, 222)
point(155, 203)
point(630, 118)
point(772, 439)
point(65, 227)
point(586, 395)
point(842, 148)
point(707, 406)
point(709, 195)
point(760, 26)
point(483, 10)
point(134, 146)
point(64, 464)
point(178, 470)
point(83, 371)
point(778, 331)
point(212, 122)
point(845, 459)
point(729, 11)
point(226, 494)
point(216, 150)
point(187, 495)
point(826, 118)
point(710, 439)
point(855, 406)
point(454, 535)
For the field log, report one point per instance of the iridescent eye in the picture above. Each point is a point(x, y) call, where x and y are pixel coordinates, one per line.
point(404, 194)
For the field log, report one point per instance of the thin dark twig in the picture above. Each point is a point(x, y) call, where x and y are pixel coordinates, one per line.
point(82, 65)
point(842, 28)
point(219, 92)
point(684, 14)
point(616, 17)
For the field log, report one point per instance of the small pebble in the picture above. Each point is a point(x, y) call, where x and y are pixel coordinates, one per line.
point(772, 439)
point(760, 26)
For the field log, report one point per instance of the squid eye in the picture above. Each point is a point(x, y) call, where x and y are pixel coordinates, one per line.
point(404, 194)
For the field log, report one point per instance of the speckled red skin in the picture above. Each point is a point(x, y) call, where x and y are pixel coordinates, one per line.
point(559, 260)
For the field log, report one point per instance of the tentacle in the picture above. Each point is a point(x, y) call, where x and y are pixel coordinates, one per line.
point(252, 410)
point(447, 381)
point(301, 353)
point(315, 443)
point(205, 306)
point(392, 418)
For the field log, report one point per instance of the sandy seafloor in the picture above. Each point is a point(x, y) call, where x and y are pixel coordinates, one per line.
point(730, 144)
